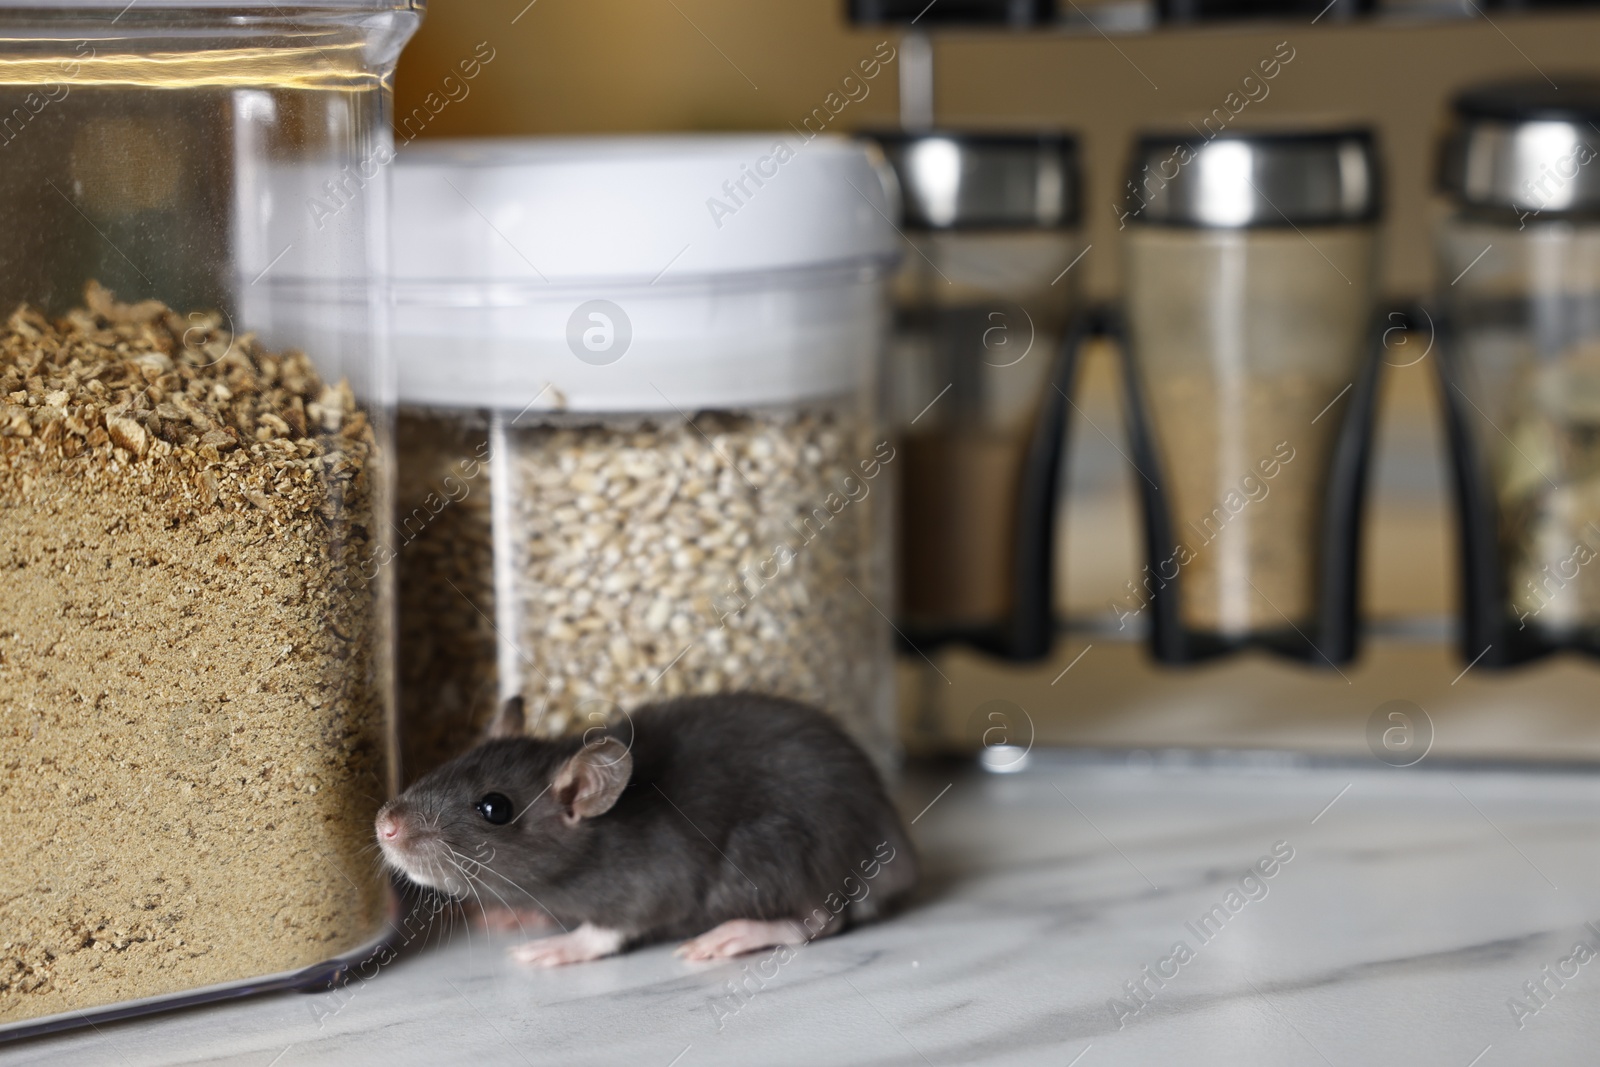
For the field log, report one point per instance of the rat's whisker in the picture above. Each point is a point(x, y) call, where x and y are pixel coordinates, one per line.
point(430, 896)
point(471, 888)
point(466, 920)
point(514, 915)
point(491, 889)
point(518, 888)
point(437, 926)
point(451, 906)
point(446, 927)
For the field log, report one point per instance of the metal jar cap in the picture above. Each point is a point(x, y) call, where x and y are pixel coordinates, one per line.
point(1235, 180)
point(955, 181)
point(1524, 147)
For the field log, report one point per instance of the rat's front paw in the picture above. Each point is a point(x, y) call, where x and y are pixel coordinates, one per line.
point(587, 942)
point(738, 936)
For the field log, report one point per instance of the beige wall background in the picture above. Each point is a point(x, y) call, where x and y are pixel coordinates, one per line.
point(585, 66)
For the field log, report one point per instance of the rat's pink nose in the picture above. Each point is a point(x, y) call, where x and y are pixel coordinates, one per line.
point(388, 827)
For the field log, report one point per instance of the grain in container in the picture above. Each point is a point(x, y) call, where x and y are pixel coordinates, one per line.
point(195, 709)
point(640, 435)
point(1249, 264)
point(979, 380)
point(1519, 325)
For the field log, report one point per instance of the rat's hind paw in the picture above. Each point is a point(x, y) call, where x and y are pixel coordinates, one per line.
point(587, 942)
point(738, 936)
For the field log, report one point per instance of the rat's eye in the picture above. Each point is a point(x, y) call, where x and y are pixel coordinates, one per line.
point(495, 808)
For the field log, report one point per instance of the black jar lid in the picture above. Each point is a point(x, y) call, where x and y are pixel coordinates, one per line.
point(955, 180)
point(1249, 179)
point(1017, 14)
point(1576, 100)
point(1189, 11)
point(1526, 148)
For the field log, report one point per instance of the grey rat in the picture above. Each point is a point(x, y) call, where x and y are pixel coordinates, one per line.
point(738, 821)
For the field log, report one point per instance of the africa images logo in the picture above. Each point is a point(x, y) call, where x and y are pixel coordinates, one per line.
point(599, 332)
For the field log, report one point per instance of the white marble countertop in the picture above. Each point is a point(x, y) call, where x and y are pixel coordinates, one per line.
point(1415, 907)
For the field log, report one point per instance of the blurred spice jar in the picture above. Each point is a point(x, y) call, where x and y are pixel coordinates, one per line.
point(1249, 262)
point(982, 300)
point(1519, 312)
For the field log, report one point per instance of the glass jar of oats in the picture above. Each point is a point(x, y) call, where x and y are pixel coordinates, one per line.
point(640, 451)
point(1249, 263)
point(195, 709)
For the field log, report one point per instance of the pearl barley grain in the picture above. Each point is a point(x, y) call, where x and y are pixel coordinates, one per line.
point(649, 557)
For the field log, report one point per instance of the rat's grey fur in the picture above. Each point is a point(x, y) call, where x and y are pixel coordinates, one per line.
point(737, 807)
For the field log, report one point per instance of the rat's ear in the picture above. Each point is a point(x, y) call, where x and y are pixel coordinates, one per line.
point(592, 780)
point(509, 721)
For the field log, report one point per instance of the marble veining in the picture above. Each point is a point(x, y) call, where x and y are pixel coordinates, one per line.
point(1419, 907)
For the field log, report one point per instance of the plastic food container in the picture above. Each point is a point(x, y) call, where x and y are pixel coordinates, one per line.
point(982, 301)
point(195, 718)
point(641, 452)
point(1249, 263)
point(1519, 297)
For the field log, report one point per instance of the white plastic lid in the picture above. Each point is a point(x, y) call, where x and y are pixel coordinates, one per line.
point(638, 274)
point(636, 208)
